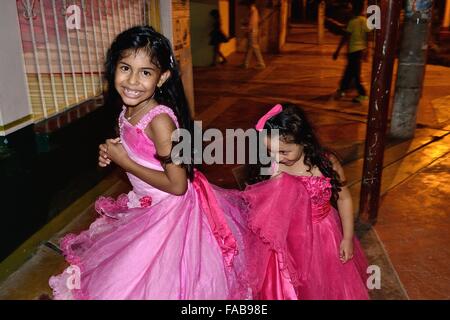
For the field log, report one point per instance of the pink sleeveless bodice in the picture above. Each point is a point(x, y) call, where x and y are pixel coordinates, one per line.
point(142, 150)
point(320, 190)
point(150, 244)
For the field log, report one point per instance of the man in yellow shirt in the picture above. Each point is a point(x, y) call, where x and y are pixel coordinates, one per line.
point(252, 35)
point(356, 36)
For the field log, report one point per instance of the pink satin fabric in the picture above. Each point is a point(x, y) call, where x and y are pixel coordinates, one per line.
point(280, 221)
point(295, 237)
point(216, 218)
point(153, 245)
point(276, 286)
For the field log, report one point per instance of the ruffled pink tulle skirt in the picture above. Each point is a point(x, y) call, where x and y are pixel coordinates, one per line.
point(269, 242)
point(295, 244)
point(179, 248)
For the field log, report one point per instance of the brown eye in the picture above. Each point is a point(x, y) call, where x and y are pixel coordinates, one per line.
point(124, 68)
point(146, 73)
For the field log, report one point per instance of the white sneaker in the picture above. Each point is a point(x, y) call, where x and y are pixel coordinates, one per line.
point(339, 94)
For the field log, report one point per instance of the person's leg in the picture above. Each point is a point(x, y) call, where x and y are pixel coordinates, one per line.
point(353, 68)
point(356, 70)
point(224, 60)
point(257, 51)
point(357, 75)
point(249, 52)
point(346, 77)
point(214, 61)
point(259, 57)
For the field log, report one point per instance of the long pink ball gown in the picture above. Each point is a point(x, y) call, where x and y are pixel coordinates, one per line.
point(295, 240)
point(149, 244)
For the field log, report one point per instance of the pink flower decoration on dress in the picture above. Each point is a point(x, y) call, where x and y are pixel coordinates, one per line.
point(145, 201)
point(110, 207)
point(122, 202)
point(272, 112)
point(138, 130)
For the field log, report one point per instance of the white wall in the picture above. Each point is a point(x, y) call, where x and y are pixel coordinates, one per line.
point(14, 101)
point(165, 9)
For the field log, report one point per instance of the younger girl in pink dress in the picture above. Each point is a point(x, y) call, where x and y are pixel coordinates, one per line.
point(174, 236)
point(302, 240)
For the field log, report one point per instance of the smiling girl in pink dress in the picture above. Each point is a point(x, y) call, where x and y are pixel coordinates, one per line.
point(174, 236)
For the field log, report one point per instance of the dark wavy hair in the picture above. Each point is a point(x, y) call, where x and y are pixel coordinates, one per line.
point(357, 7)
point(294, 127)
point(160, 52)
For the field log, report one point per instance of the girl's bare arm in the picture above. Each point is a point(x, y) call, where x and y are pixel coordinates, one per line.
point(174, 177)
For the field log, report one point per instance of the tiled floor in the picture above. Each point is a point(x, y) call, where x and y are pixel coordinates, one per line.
point(414, 227)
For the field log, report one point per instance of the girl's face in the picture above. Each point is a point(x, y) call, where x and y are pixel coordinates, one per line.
point(286, 153)
point(136, 78)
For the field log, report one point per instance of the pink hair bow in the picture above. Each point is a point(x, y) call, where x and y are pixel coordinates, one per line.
point(272, 112)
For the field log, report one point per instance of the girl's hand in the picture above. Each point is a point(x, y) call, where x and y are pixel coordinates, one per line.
point(346, 250)
point(103, 159)
point(116, 152)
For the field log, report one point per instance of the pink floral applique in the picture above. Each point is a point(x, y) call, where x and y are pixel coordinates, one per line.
point(138, 130)
point(110, 207)
point(145, 201)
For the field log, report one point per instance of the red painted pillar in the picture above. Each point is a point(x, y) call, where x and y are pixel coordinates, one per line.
point(382, 69)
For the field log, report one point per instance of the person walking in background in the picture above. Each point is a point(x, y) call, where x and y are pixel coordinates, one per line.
point(356, 37)
point(217, 37)
point(252, 36)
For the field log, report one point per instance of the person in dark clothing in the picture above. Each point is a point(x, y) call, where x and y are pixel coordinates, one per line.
point(356, 37)
point(217, 37)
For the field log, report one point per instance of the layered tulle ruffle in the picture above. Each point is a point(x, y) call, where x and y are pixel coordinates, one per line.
point(295, 238)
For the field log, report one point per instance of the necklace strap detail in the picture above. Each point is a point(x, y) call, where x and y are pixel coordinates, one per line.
point(137, 112)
